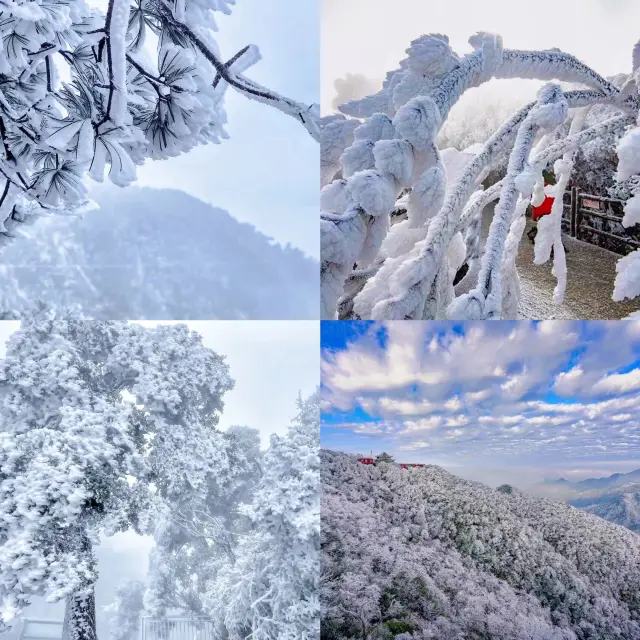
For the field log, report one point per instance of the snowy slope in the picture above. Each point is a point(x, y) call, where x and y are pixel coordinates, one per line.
point(158, 254)
point(440, 557)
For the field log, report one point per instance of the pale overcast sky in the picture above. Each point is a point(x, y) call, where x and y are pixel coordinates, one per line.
point(267, 173)
point(271, 361)
point(370, 36)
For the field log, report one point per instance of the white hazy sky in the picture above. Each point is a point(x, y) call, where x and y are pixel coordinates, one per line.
point(267, 173)
point(370, 36)
point(271, 361)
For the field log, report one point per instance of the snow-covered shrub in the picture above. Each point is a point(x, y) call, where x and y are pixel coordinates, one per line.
point(372, 269)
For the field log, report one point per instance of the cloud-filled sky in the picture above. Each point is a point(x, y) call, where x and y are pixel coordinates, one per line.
point(267, 173)
point(370, 36)
point(481, 398)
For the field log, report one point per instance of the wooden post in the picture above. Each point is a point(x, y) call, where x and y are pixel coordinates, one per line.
point(575, 218)
point(578, 216)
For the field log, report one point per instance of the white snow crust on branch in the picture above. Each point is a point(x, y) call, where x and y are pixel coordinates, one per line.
point(145, 80)
point(375, 269)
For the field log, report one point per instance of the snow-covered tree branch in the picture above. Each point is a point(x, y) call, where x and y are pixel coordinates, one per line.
point(87, 93)
point(374, 269)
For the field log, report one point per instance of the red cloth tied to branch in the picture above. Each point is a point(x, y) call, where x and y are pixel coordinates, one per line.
point(543, 210)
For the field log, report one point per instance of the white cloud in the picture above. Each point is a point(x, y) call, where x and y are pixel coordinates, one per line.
point(497, 389)
point(414, 446)
point(619, 382)
point(425, 424)
point(403, 407)
point(457, 421)
point(568, 382)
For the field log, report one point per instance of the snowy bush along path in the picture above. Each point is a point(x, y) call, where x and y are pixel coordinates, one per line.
point(386, 149)
point(120, 104)
point(108, 426)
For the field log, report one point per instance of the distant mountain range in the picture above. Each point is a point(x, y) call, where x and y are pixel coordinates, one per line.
point(615, 498)
point(614, 480)
point(157, 254)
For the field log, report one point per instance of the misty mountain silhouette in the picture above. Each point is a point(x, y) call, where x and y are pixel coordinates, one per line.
point(157, 254)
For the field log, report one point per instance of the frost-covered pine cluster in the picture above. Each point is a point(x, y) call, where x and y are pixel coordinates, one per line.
point(243, 551)
point(108, 427)
point(425, 554)
point(382, 148)
point(84, 92)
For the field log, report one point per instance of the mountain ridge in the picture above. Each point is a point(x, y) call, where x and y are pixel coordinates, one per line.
point(158, 254)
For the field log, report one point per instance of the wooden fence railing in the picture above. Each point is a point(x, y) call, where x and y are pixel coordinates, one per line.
point(598, 220)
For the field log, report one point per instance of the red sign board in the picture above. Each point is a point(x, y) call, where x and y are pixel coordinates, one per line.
point(590, 204)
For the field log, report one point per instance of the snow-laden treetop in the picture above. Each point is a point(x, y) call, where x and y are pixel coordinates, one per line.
point(387, 148)
point(82, 91)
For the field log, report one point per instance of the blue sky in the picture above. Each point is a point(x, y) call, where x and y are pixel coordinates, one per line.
point(267, 173)
point(539, 397)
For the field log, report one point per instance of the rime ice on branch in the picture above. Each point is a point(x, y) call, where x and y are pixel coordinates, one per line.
point(119, 105)
point(386, 149)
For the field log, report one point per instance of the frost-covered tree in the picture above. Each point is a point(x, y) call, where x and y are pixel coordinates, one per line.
point(98, 422)
point(384, 146)
point(86, 92)
point(127, 610)
point(271, 589)
point(197, 532)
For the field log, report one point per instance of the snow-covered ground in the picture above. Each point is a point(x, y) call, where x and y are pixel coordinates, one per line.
point(591, 272)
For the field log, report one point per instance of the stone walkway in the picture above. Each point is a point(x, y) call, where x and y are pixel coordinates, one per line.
point(591, 273)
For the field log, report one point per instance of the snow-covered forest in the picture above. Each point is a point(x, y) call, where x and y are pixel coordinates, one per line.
point(380, 154)
point(422, 553)
point(109, 427)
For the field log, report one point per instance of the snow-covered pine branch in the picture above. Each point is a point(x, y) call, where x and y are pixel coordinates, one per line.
point(82, 92)
point(374, 269)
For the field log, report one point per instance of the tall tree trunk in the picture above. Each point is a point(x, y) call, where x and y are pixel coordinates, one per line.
point(80, 617)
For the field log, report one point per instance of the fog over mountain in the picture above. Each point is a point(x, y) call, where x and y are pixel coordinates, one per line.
point(615, 498)
point(157, 254)
point(614, 480)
